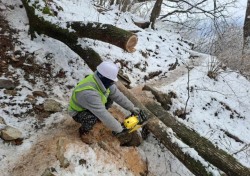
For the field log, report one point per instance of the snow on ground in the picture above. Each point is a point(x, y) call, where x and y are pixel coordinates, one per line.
point(215, 106)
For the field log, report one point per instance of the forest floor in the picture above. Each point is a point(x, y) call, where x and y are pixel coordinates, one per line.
point(31, 162)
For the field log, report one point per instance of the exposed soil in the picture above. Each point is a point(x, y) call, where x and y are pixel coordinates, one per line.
point(6, 44)
point(42, 154)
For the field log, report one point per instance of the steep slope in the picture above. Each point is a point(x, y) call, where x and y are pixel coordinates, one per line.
point(53, 71)
point(48, 66)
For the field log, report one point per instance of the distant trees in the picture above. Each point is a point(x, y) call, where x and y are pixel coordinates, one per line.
point(155, 12)
point(246, 42)
point(246, 27)
point(210, 8)
point(206, 18)
point(124, 5)
point(180, 9)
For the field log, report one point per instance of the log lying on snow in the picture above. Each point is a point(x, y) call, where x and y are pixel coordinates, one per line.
point(69, 38)
point(93, 59)
point(155, 126)
point(103, 32)
point(106, 33)
point(204, 147)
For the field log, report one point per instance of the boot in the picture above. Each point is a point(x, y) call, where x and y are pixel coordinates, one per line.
point(85, 137)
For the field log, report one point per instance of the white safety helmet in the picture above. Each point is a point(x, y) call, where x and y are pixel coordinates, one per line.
point(108, 70)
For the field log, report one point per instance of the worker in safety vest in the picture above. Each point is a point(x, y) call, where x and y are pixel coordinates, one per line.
point(92, 97)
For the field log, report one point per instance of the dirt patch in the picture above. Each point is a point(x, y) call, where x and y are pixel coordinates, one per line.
point(42, 155)
point(127, 156)
point(6, 44)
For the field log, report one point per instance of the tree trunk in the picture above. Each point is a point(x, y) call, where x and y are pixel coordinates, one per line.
point(154, 125)
point(142, 25)
point(106, 33)
point(246, 27)
point(125, 4)
point(103, 32)
point(155, 12)
point(204, 147)
point(112, 2)
point(41, 26)
point(246, 40)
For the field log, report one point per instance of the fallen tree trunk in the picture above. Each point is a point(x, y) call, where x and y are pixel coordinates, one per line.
point(93, 59)
point(204, 147)
point(69, 38)
point(106, 33)
point(103, 32)
point(155, 126)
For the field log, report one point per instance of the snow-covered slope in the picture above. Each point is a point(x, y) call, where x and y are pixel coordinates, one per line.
point(56, 70)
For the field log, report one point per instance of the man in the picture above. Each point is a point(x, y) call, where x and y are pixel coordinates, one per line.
point(88, 100)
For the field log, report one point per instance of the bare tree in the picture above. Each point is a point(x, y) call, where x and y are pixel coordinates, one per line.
point(155, 12)
point(124, 5)
point(246, 27)
point(197, 7)
point(246, 42)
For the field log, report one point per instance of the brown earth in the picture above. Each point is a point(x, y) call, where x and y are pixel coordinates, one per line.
point(42, 154)
point(6, 44)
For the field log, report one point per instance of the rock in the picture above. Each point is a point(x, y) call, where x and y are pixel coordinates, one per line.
point(30, 99)
point(60, 150)
point(19, 52)
point(47, 172)
point(40, 94)
point(180, 113)
point(6, 84)
point(10, 92)
point(52, 106)
point(2, 7)
point(2, 121)
point(82, 162)
point(10, 133)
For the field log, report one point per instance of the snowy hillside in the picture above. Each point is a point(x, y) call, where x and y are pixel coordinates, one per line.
point(45, 68)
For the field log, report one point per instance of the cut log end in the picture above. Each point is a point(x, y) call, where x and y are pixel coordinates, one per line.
point(131, 43)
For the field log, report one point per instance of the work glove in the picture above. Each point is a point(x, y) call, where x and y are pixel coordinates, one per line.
point(123, 132)
point(135, 110)
point(123, 137)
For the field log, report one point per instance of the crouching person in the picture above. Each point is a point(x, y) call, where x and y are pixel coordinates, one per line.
point(93, 96)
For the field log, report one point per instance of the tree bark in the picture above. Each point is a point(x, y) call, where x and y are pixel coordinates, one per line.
point(39, 25)
point(112, 2)
point(125, 4)
point(155, 12)
point(246, 27)
point(155, 126)
point(103, 32)
point(92, 59)
point(246, 39)
point(106, 33)
point(142, 25)
point(204, 147)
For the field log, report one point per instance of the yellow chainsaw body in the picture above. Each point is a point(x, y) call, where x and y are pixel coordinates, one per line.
point(131, 123)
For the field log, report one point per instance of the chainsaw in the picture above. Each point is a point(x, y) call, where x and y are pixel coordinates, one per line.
point(135, 122)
